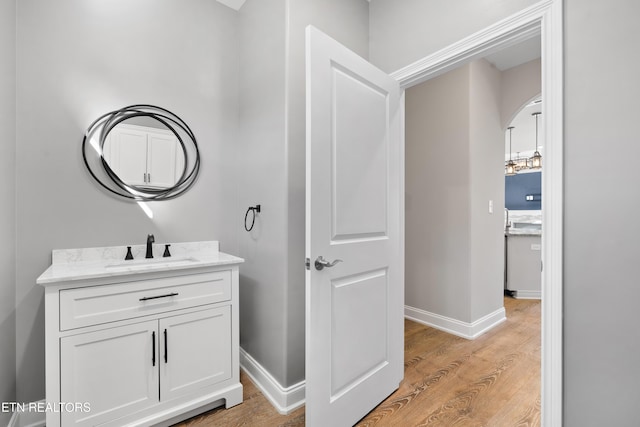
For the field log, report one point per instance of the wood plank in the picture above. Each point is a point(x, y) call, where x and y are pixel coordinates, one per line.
point(493, 380)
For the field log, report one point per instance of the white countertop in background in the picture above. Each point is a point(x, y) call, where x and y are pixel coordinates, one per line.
point(523, 232)
point(524, 217)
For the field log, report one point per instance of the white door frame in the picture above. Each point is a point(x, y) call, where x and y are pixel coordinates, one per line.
point(544, 19)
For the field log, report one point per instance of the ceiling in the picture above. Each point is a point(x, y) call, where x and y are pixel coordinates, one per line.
point(237, 4)
point(524, 133)
point(233, 4)
point(515, 55)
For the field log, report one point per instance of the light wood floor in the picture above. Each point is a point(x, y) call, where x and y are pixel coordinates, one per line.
point(492, 381)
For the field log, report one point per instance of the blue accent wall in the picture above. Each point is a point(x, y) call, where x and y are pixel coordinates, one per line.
point(518, 187)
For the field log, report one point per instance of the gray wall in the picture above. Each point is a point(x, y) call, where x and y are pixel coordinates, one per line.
point(348, 22)
point(454, 156)
point(272, 123)
point(7, 198)
point(262, 159)
point(437, 200)
point(77, 60)
point(601, 94)
point(601, 287)
point(404, 32)
point(71, 69)
point(486, 183)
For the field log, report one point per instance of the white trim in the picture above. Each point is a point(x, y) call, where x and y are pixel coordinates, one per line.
point(552, 215)
point(284, 399)
point(527, 294)
point(453, 326)
point(544, 18)
point(28, 418)
point(508, 32)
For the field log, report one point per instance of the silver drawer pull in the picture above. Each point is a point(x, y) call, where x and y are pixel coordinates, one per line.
point(172, 294)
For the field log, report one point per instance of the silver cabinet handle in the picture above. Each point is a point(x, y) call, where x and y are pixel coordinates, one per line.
point(322, 263)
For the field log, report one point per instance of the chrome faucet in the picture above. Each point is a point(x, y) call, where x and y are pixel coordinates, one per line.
point(150, 240)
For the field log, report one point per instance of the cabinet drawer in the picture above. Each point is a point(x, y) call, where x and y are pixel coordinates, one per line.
point(82, 307)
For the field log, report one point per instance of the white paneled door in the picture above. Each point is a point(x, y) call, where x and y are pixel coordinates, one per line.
point(355, 279)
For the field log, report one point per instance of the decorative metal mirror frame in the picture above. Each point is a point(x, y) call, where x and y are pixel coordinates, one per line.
point(100, 129)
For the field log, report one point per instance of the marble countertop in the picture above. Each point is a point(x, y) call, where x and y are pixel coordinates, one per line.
point(524, 223)
point(92, 263)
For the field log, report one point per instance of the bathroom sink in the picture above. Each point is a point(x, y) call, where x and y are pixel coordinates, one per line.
point(151, 261)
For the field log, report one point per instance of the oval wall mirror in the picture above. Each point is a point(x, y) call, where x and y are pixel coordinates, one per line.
point(141, 152)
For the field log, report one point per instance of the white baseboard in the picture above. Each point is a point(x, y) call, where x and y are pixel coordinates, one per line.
point(27, 419)
point(284, 399)
point(527, 294)
point(456, 327)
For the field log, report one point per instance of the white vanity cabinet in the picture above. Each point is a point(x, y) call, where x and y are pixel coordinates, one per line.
point(142, 348)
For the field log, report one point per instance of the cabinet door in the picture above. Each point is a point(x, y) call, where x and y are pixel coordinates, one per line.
point(523, 263)
point(195, 351)
point(112, 370)
point(161, 163)
point(128, 154)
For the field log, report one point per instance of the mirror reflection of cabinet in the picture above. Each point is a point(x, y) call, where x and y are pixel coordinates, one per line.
point(144, 156)
point(141, 152)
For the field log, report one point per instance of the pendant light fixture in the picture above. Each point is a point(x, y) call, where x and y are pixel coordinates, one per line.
point(536, 159)
point(510, 167)
point(521, 162)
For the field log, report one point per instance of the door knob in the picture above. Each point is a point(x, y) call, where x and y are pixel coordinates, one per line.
point(322, 263)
